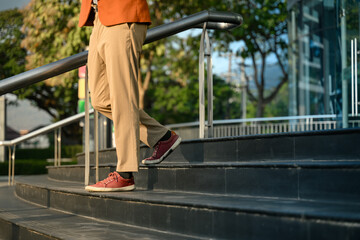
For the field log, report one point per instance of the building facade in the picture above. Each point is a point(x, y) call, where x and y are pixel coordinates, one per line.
point(323, 58)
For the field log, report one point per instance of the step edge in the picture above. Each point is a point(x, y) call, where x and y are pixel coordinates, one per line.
point(212, 207)
point(53, 236)
point(28, 228)
point(325, 164)
point(276, 135)
point(257, 136)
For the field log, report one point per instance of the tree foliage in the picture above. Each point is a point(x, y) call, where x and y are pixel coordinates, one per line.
point(170, 102)
point(173, 94)
point(51, 33)
point(173, 57)
point(12, 55)
point(264, 34)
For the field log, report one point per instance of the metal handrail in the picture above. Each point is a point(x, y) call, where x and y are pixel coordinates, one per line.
point(234, 121)
point(57, 143)
point(218, 20)
point(46, 129)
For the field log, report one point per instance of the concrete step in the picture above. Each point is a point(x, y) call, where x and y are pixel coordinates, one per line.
point(323, 145)
point(306, 180)
point(21, 219)
point(201, 215)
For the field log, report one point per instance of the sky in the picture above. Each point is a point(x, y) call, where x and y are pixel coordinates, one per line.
point(9, 4)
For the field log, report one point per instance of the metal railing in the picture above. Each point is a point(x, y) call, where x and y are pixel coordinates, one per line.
point(56, 127)
point(354, 78)
point(253, 126)
point(205, 20)
point(214, 20)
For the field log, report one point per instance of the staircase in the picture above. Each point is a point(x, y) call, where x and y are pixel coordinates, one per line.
point(279, 186)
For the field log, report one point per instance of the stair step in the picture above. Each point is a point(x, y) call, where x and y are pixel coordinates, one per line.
point(203, 215)
point(23, 220)
point(306, 179)
point(328, 145)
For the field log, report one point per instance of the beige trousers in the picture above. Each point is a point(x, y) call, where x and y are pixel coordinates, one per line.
point(113, 63)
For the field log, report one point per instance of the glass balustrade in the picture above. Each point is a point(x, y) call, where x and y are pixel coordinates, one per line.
point(323, 59)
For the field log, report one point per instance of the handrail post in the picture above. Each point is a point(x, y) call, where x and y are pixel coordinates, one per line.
point(202, 86)
point(59, 147)
point(352, 78)
point(87, 130)
point(210, 85)
point(13, 165)
point(55, 147)
point(205, 52)
point(10, 165)
point(356, 78)
point(96, 138)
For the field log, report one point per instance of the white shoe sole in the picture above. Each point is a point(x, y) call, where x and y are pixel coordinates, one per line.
point(98, 189)
point(155, 161)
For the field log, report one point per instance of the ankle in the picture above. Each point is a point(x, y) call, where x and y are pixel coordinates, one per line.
point(166, 137)
point(125, 175)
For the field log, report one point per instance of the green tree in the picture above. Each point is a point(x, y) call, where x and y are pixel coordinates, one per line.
point(51, 33)
point(170, 102)
point(264, 33)
point(170, 66)
point(173, 93)
point(280, 105)
point(12, 55)
point(173, 56)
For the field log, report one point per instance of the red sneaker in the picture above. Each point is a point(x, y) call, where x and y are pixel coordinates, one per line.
point(162, 149)
point(114, 182)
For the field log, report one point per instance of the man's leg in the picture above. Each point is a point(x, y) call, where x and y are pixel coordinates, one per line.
point(158, 137)
point(101, 101)
point(120, 47)
point(98, 83)
point(113, 67)
point(151, 131)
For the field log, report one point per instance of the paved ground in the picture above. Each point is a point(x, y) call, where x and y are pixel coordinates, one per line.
point(3, 181)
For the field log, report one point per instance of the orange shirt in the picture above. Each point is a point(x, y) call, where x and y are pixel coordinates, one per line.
point(112, 12)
